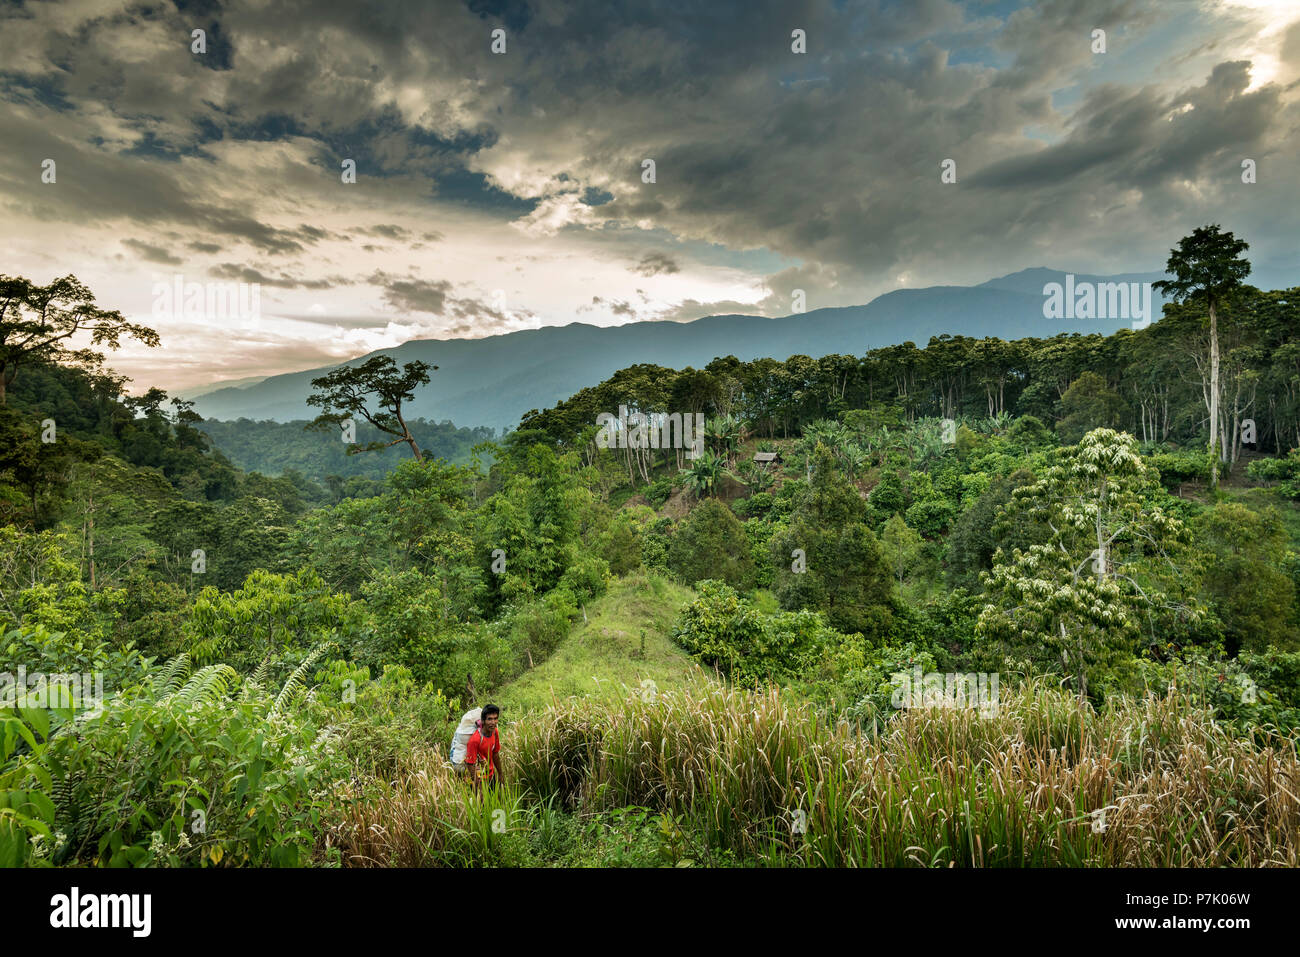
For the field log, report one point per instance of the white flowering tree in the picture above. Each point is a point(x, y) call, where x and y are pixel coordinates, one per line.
point(1103, 570)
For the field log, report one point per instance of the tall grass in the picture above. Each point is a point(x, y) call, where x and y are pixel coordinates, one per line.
point(428, 818)
point(770, 780)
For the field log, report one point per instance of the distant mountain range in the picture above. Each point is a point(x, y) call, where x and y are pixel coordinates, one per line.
point(493, 381)
point(223, 384)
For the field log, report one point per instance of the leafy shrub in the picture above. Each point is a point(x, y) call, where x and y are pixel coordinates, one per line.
point(408, 626)
point(658, 491)
point(758, 505)
point(887, 498)
point(183, 771)
point(1247, 546)
point(1182, 466)
point(42, 586)
point(654, 543)
point(271, 616)
point(36, 649)
point(384, 722)
point(654, 552)
point(586, 579)
point(1256, 694)
point(758, 535)
point(538, 627)
point(1029, 432)
point(720, 628)
point(1286, 472)
point(55, 669)
point(864, 678)
point(704, 545)
point(620, 545)
point(153, 614)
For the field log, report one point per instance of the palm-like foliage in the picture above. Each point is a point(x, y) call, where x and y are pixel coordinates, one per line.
point(826, 431)
point(924, 442)
point(754, 476)
point(206, 685)
point(853, 458)
point(724, 435)
point(296, 685)
point(996, 424)
point(705, 474)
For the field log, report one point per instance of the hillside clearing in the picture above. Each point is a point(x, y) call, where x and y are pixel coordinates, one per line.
point(602, 657)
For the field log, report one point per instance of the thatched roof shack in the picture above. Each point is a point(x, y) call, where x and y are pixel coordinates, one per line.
point(765, 459)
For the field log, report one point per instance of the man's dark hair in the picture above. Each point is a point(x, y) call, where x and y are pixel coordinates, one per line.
point(489, 709)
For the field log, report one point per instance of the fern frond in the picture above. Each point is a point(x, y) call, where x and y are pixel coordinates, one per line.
point(251, 691)
point(171, 676)
point(296, 682)
point(207, 684)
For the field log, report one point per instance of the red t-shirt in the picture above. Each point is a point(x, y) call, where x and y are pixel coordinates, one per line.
point(487, 747)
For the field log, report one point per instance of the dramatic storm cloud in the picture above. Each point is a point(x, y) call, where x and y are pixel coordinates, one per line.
point(502, 190)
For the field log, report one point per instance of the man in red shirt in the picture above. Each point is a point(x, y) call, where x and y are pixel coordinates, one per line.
point(482, 753)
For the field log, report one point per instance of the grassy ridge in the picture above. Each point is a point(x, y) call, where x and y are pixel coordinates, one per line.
point(602, 657)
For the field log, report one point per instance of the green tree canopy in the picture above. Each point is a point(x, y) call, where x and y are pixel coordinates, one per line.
point(829, 560)
point(1103, 575)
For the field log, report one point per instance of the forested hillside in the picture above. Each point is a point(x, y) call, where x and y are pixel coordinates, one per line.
point(274, 447)
point(1102, 530)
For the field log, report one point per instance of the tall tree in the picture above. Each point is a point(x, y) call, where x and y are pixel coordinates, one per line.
point(1207, 266)
point(705, 545)
point(348, 388)
point(1105, 567)
point(827, 559)
point(1088, 404)
point(1246, 578)
point(36, 323)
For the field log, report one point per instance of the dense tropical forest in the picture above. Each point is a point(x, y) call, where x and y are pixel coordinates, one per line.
point(703, 656)
point(288, 448)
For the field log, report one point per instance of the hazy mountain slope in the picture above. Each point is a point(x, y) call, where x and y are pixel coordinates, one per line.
point(493, 381)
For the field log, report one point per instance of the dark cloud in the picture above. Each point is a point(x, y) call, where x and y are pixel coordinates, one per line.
point(376, 323)
point(153, 254)
point(388, 231)
point(652, 264)
point(237, 273)
point(314, 234)
point(413, 295)
point(407, 294)
point(618, 307)
point(829, 159)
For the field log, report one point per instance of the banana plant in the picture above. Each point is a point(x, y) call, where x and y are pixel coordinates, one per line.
point(705, 475)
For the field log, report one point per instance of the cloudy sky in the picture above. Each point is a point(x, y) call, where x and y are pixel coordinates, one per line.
point(502, 190)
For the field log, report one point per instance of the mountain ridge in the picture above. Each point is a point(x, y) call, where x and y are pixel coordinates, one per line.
point(494, 380)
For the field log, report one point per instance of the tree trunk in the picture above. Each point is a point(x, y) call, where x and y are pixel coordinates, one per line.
point(1214, 395)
